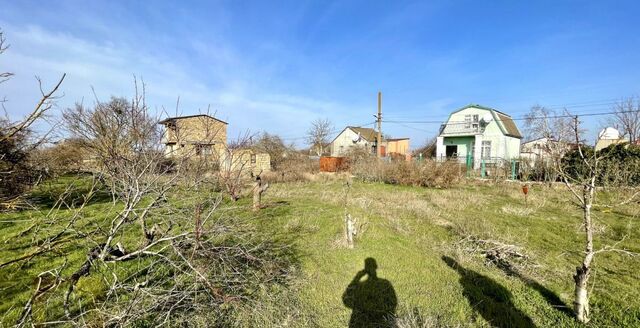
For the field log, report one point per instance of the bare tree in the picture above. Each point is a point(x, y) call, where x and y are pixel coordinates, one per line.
point(273, 145)
point(188, 259)
point(3, 47)
point(626, 118)
point(18, 141)
point(318, 135)
point(557, 129)
point(581, 178)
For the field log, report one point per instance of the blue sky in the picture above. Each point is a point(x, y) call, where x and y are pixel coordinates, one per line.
point(276, 66)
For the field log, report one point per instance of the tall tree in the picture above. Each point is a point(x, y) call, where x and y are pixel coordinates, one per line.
point(318, 135)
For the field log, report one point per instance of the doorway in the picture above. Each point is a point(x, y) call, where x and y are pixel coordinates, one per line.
point(452, 150)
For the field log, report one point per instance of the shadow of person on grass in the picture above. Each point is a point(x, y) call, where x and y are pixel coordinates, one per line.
point(372, 300)
point(490, 299)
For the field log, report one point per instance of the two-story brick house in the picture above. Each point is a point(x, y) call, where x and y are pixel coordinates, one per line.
point(194, 135)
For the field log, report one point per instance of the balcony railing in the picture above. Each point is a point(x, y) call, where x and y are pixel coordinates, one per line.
point(461, 129)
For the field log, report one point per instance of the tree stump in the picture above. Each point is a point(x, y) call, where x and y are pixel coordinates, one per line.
point(350, 230)
point(258, 189)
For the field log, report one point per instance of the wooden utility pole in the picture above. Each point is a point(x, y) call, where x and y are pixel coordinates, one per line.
point(379, 117)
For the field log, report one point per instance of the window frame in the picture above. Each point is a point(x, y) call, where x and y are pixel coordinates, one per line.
point(485, 150)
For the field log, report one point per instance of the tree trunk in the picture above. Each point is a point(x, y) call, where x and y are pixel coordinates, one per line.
point(350, 230)
point(581, 278)
point(258, 189)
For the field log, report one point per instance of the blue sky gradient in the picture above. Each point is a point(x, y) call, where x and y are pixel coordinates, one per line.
point(276, 66)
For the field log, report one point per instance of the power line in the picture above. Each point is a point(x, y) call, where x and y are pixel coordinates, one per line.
point(330, 132)
point(518, 118)
point(584, 104)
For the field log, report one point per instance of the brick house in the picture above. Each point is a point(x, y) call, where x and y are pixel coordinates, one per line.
point(204, 136)
point(194, 135)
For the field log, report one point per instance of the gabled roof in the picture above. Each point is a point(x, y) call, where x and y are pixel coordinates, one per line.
point(367, 134)
point(505, 122)
point(190, 116)
point(509, 125)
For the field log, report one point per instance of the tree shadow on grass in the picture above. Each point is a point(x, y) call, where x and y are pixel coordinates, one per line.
point(489, 299)
point(372, 300)
point(550, 297)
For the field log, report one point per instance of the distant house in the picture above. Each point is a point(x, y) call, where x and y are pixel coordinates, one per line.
point(354, 137)
point(194, 135)
point(397, 147)
point(609, 136)
point(245, 159)
point(476, 133)
point(541, 150)
point(204, 136)
point(366, 138)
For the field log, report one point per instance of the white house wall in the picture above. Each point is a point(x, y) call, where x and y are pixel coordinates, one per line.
point(344, 142)
point(502, 146)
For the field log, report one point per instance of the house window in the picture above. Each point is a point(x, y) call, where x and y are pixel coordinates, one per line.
point(172, 127)
point(253, 158)
point(471, 121)
point(486, 150)
point(203, 150)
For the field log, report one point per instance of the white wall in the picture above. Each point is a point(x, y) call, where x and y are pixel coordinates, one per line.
point(502, 146)
point(344, 142)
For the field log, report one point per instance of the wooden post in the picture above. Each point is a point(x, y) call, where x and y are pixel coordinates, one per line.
point(379, 119)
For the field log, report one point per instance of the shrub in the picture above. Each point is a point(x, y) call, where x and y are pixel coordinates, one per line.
point(619, 164)
point(293, 167)
point(17, 173)
point(426, 173)
point(64, 157)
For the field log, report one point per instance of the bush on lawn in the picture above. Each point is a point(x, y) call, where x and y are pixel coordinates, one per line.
point(427, 173)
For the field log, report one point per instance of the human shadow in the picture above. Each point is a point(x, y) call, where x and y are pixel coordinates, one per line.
point(489, 299)
point(373, 300)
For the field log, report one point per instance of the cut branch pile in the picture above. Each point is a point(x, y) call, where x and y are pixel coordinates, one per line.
point(508, 257)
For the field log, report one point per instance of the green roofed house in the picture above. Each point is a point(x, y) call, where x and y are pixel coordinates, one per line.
point(475, 133)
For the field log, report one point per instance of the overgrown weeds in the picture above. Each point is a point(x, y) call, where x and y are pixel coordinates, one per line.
point(425, 173)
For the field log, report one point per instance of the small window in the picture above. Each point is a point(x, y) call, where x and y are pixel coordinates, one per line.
point(171, 126)
point(203, 150)
point(253, 158)
point(467, 121)
point(486, 150)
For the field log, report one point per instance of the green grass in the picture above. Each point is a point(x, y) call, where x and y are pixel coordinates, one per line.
point(413, 234)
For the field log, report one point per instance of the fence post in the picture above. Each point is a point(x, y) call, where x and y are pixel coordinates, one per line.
point(513, 169)
point(482, 169)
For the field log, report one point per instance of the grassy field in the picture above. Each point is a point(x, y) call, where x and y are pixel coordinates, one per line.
point(417, 238)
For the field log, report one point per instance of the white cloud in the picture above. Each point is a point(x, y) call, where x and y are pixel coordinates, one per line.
point(109, 68)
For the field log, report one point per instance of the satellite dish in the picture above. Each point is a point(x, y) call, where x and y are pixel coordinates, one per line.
point(609, 134)
point(357, 138)
point(486, 119)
